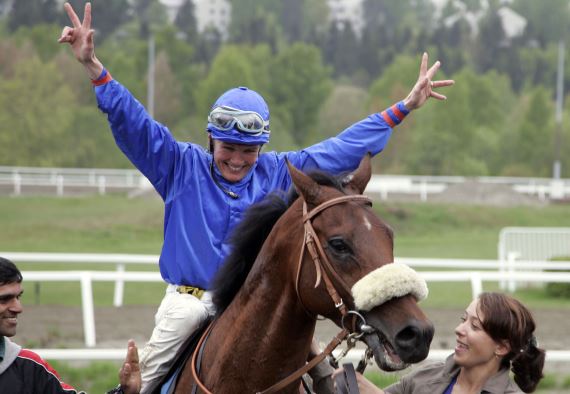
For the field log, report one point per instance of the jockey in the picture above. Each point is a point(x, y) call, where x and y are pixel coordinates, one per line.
point(206, 191)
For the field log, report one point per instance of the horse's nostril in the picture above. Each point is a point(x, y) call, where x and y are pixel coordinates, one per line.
point(408, 336)
point(412, 342)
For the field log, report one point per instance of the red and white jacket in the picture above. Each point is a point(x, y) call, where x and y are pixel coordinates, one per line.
point(24, 372)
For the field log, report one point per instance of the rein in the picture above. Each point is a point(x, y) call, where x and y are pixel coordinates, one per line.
point(324, 270)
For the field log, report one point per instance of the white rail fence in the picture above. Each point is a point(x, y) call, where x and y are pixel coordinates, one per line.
point(476, 276)
point(19, 180)
point(353, 355)
point(59, 180)
point(520, 245)
point(424, 186)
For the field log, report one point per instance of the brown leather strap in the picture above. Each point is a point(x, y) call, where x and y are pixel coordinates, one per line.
point(346, 382)
point(334, 201)
point(337, 340)
point(195, 356)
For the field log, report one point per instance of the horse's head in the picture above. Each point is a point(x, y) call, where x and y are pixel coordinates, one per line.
point(348, 251)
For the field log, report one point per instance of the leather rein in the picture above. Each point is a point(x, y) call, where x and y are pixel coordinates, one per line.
point(324, 270)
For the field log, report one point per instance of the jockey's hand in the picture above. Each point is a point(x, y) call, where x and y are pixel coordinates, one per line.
point(130, 372)
point(425, 85)
point(80, 37)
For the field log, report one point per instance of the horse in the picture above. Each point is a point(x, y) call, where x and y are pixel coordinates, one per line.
point(325, 254)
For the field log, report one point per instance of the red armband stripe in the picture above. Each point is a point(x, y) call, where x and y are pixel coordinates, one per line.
point(388, 119)
point(103, 80)
point(399, 114)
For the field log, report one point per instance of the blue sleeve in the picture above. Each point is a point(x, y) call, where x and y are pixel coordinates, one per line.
point(148, 144)
point(344, 152)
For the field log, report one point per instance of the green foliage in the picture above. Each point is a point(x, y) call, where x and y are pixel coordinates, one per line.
point(343, 107)
point(532, 145)
point(382, 379)
point(26, 115)
point(232, 67)
point(559, 290)
point(108, 16)
point(304, 83)
point(481, 130)
point(31, 12)
point(97, 377)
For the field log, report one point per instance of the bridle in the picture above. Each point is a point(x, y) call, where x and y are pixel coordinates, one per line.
point(323, 267)
point(324, 270)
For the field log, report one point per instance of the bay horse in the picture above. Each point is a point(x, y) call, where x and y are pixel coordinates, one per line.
point(325, 253)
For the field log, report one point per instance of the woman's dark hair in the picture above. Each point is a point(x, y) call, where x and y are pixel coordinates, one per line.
point(9, 273)
point(505, 319)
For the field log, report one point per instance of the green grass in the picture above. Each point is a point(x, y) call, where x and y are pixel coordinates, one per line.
point(109, 224)
point(461, 231)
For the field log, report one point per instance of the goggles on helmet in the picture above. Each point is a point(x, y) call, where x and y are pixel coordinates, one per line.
point(225, 118)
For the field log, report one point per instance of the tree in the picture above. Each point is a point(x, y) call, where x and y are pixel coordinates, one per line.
point(531, 146)
point(167, 93)
point(344, 106)
point(549, 20)
point(344, 56)
point(230, 68)
point(392, 86)
point(32, 12)
point(461, 135)
point(108, 17)
point(185, 21)
point(301, 84)
point(34, 112)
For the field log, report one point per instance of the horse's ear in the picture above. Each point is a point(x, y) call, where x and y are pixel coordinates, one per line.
point(358, 180)
point(305, 186)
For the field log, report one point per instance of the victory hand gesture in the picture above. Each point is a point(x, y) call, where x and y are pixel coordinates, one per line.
point(423, 89)
point(80, 37)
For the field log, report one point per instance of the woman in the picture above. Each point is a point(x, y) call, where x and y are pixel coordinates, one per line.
point(495, 335)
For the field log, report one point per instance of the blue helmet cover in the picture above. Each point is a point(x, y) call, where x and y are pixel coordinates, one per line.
point(243, 99)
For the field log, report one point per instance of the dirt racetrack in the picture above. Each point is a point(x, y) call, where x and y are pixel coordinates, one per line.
point(62, 327)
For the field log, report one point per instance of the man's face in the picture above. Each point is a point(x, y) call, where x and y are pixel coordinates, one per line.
point(234, 160)
point(10, 308)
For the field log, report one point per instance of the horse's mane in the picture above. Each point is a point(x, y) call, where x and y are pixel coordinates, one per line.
point(250, 234)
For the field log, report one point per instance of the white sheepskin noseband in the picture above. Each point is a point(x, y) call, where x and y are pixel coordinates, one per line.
point(387, 282)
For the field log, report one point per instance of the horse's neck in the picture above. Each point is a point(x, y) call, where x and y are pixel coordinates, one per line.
point(263, 336)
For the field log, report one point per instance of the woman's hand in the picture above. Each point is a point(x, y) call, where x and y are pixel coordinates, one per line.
point(80, 37)
point(423, 89)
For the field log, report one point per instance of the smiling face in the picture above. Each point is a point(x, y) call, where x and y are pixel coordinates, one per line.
point(234, 160)
point(10, 308)
point(474, 346)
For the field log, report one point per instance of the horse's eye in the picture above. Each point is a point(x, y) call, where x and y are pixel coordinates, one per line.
point(338, 245)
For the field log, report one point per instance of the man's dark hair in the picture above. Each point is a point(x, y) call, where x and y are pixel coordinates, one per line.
point(9, 273)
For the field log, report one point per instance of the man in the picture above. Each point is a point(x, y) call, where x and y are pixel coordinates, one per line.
point(207, 191)
point(21, 370)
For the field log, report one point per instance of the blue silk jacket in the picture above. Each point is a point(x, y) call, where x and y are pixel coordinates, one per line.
point(199, 216)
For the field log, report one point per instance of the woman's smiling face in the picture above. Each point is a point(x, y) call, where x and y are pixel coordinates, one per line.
point(474, 346)
point(234, 160)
